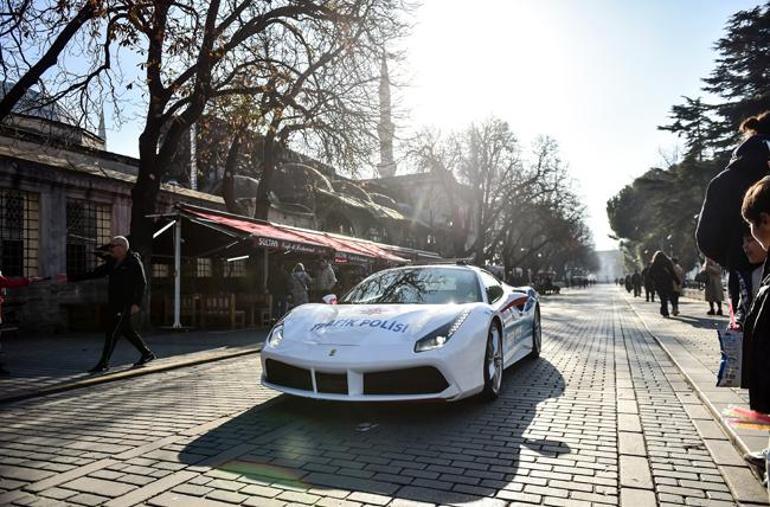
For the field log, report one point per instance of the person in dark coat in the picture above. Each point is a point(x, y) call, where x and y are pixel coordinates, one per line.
point(636, 281)
point(720, 227)
point(125, 292)
point(278, 286)
point(649, 286)
point(664, 277)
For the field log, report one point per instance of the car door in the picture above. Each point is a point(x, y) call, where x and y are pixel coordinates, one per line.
point(497, 297)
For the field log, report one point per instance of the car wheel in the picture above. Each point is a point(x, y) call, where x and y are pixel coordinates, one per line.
point(493, 363)
point(537, 335)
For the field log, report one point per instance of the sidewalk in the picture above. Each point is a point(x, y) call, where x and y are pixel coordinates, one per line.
point(691, 341)
point(42, 364)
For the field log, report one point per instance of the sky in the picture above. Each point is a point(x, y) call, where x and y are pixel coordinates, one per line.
point(597, 75)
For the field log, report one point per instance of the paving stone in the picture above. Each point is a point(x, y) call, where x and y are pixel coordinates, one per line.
point(630, 497)
point(631, 444)
point(635, 472)
point(744, 485)
point(180, 500)
point(99, 487)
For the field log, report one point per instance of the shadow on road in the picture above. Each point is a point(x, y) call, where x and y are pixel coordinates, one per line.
point(437, 452)
point(702, 322)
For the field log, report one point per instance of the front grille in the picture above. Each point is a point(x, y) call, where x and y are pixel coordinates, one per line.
point(420, 380)
point(335, 383)
point(282, 374)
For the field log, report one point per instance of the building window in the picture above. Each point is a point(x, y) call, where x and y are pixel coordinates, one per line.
point(89, 226)
point(203, 268)
point(235, 269)
point(19, 232)
point(160, 270)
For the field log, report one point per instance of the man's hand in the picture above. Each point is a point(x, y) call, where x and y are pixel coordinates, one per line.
point(34, 279)
point(134, 309)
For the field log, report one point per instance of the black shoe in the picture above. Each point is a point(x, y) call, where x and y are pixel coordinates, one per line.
point(145, 359)
point(719, 312)
point(757, 459)
point(710, 312)
point(99, 368)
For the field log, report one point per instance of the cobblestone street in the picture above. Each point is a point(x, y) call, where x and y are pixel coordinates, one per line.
point(604, 417)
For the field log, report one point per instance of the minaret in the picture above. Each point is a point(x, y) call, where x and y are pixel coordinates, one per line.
point(385, 129)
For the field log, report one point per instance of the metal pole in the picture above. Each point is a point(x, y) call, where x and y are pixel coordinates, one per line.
point(265, 269)
point(177, 272)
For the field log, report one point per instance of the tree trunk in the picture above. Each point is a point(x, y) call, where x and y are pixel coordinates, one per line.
point(228, 179)
point(262, 209)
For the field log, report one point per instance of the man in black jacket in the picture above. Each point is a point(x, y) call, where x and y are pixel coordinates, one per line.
point(124, 298)
point(720, 226)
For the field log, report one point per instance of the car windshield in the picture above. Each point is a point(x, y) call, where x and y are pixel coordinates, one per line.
point(417, 286)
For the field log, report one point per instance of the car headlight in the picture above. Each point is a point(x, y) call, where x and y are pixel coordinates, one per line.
point(276, 335)
point(440, 336)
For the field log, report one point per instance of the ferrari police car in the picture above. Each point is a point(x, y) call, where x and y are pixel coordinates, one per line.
point(409, 333)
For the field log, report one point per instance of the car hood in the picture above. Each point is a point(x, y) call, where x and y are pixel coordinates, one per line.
point(366, 324)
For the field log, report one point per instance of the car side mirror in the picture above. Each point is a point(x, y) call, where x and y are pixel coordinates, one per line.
point(494, 293)
point(330, 299)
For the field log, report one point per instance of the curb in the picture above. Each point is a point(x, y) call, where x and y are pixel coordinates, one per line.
point(127, 374)
point(726, 428)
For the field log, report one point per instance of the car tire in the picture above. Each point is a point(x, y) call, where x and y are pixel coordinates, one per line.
point(492, 370)
point(537, 335)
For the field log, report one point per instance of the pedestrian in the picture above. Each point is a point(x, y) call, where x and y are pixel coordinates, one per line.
point(629, 285)
point(325, 278)
point(300, 284)
point(720, 226)
point(755, 374)
point(636, 282)
point(125, 293)
point(757, 257)
point(678, 286)
point(664, 277)
point(649, 286)
point(278, 285)
point(11, 283)
point(715, 292)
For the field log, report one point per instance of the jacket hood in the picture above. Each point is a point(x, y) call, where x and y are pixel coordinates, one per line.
point(361, 324)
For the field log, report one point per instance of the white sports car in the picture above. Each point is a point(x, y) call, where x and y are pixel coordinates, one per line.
point(410, 333)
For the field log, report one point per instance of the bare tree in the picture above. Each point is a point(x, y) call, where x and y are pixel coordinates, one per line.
point(40, 40)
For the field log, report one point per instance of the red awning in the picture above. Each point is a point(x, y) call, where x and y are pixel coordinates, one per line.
point(265, 235)
point(285, 238)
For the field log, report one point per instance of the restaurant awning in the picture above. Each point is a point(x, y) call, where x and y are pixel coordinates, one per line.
point(285, 238)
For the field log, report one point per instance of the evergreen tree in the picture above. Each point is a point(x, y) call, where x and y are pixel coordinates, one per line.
point(742, 73)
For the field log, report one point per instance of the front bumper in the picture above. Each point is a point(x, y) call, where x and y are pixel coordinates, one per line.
point(381, 373)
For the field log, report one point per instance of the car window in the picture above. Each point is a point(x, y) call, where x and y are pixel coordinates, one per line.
point(417, 286)
point(492, 286)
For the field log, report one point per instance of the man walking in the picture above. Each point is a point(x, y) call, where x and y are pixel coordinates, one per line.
point(125, 292)
point(636, 281)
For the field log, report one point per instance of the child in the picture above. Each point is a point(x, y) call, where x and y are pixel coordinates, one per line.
point(756, 330)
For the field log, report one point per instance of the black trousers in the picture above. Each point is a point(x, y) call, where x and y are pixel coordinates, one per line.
point(120, 323)
point(649, 294)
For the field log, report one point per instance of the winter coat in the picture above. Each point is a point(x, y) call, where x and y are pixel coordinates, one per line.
point(714, 292)
point(127, 281)
point(648, 283)
point(300, 282)
point(720, 227)
point(663, 277)
point(755, 373)
point(325, 280)
point(679, 282)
